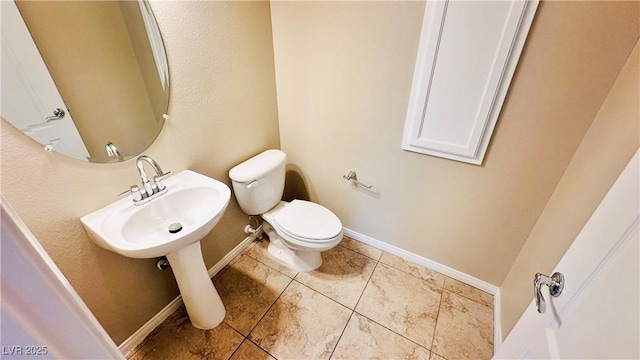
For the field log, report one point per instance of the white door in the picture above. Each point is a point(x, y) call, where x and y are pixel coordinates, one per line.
point(29, 95)
point(597, 315)
point(42, 315)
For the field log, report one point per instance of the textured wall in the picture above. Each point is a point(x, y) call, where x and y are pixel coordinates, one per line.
point(343, 75)
point(223, 110)
point(610, 142)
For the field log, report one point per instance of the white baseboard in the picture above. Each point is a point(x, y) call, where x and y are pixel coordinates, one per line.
point(443, 269)
point(497, 325)
point(430, 264)
point(130, 345)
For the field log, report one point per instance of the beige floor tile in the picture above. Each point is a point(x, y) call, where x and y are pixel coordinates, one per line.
point(259, 252)
point(362, 248)
point(422, 272)
point(177, 339)
point(342, 275)
point(401, 302)
point(365, 339)
point(464, 329)
point(250, 351)
point(248, 288)
point(302, 324)
point(468, 291)
point(226, 267)
point(435, 356)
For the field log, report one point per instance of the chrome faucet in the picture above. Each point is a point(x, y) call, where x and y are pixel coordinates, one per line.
point(112, 151)
point(149, 190)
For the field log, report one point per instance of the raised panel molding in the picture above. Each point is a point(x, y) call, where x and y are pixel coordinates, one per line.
point(467, 55)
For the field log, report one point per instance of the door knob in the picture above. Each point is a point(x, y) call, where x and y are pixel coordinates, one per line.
point(57, 114)
point(555, 284)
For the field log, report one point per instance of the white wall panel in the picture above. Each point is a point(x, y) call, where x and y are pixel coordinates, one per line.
point(467, 55)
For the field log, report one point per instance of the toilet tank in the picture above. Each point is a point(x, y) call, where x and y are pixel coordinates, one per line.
point(258, 183)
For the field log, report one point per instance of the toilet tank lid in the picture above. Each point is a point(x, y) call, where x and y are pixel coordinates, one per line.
point(258, 166)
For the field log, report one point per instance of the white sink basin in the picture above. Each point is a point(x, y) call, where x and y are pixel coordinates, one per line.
point(195, 201)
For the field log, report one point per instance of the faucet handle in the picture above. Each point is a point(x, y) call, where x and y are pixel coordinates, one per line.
point(157, 180)
point(134, 190)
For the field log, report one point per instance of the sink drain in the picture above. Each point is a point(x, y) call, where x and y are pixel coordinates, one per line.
point(175, 227)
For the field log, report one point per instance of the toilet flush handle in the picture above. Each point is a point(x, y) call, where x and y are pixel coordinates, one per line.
point(252, 184)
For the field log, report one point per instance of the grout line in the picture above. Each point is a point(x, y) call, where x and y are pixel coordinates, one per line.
point(356, 251)
point(417, 259)
point(262, 262)
point(365, 286)
point(393, 331)
point(236, 350)
point(285, 289)
point(334, 300)
point(309, 287)
point(260, 347)
point(239, 345)
point(234, 329)
point(377, 262)
point(435, 326)
point(468, 298)
point(370, 277)
point(268, 309)
point(270, 306)
point(342, 333)
point(417, 277)
point(318, 292)
point(271, 267)
point(441, 286)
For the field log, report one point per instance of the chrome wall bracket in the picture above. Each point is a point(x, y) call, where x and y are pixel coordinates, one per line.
point(351, 176)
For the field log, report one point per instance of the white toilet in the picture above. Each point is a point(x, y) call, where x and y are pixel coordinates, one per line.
point(298, 230)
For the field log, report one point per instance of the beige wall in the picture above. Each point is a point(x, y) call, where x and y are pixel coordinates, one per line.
point(89, 54)
point(223, 110)
point(343, 75)
point(158, 97)
point(610, 142)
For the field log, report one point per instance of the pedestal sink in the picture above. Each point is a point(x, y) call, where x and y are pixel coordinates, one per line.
point(173, 225)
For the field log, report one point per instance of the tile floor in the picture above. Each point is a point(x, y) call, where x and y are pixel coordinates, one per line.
point(362, 303)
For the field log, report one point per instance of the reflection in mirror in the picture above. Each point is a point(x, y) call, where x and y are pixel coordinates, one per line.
point(88, 79)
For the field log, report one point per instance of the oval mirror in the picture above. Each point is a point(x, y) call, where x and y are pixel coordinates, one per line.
point(88, 79)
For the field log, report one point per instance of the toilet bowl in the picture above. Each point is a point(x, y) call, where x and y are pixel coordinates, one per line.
point(298, 230)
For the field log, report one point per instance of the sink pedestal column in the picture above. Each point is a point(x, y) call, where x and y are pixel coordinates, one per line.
point(200, 297)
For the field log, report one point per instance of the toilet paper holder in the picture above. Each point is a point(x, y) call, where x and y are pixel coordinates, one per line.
point(353, 177)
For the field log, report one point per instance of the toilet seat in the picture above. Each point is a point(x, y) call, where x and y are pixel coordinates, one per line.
point(305, 222)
